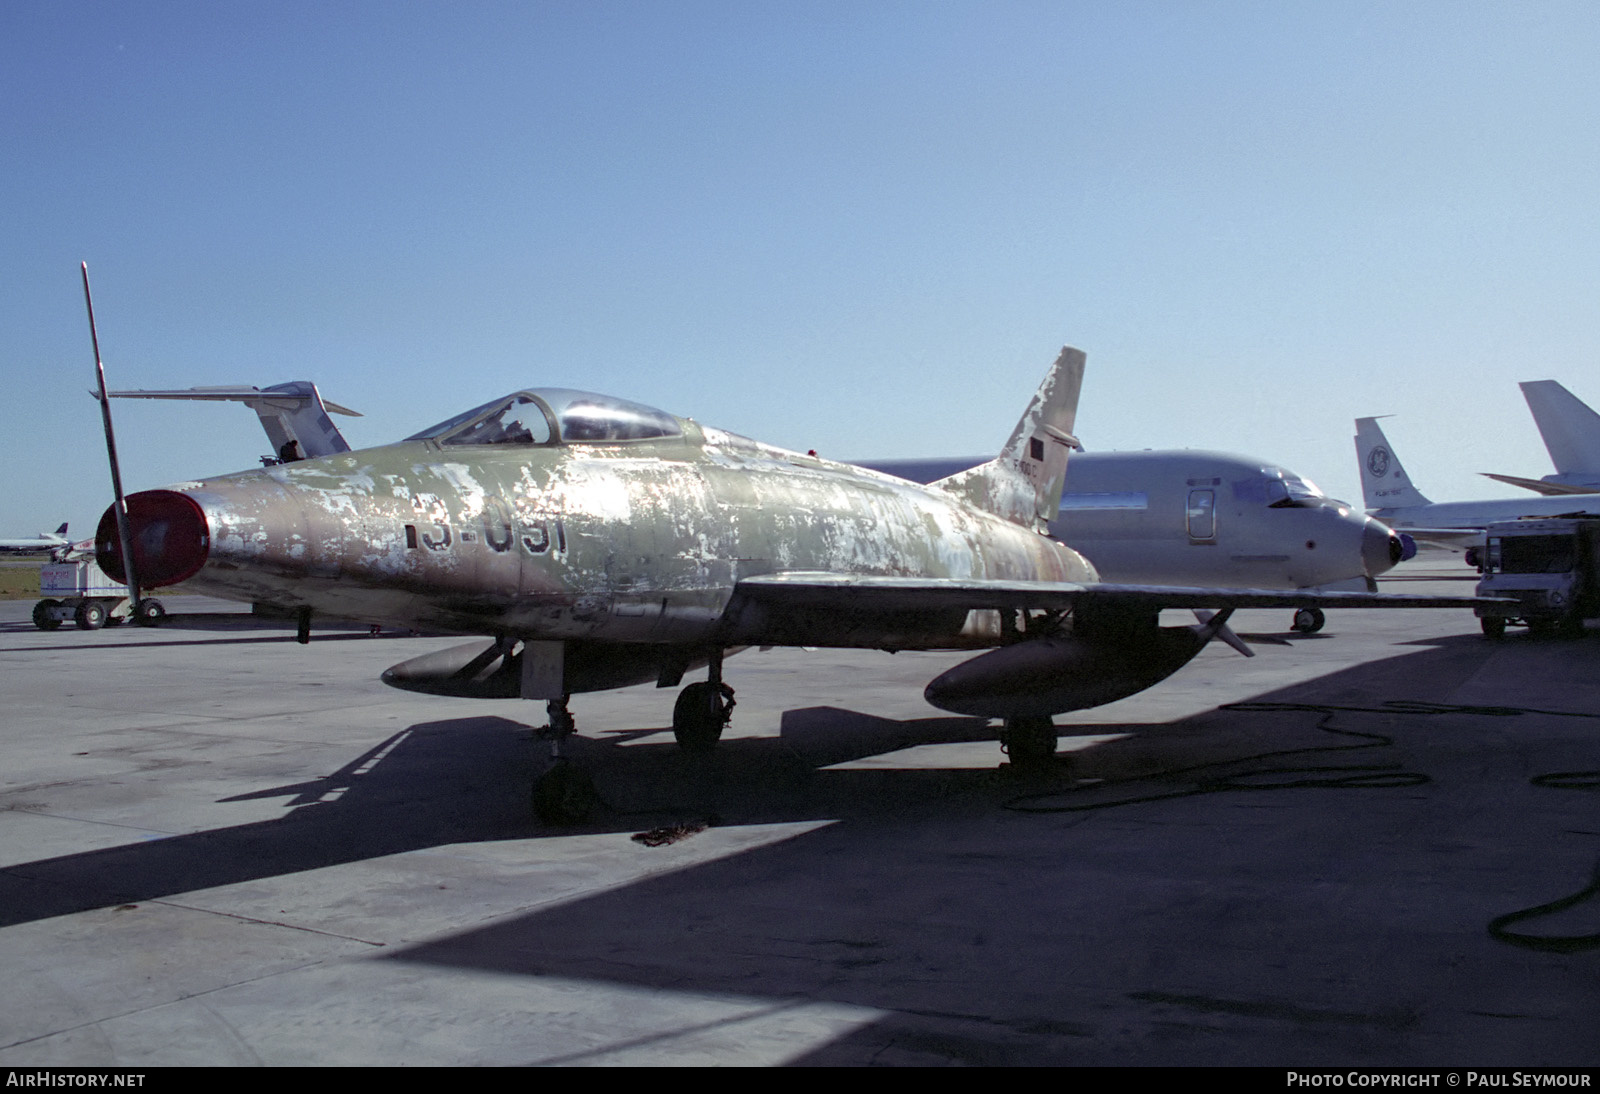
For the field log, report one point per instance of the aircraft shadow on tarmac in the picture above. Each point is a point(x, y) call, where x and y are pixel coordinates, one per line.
point(1268, 929)
point(1247, 928)
point(467, 780)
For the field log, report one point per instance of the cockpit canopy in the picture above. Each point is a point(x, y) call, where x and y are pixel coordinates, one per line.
point(552, 415)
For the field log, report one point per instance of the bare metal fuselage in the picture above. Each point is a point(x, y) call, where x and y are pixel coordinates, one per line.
point(636, 542)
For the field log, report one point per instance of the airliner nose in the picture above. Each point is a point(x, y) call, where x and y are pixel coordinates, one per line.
point(169, 535)
point(1381, 549)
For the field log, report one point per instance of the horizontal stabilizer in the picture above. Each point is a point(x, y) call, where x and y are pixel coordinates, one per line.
point(294, 415)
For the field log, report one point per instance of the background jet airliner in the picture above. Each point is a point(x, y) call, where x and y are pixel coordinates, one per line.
point(601, 544)
point(1391, 497)
point(1571, 432)
point(44, 541)
point(1205, 518)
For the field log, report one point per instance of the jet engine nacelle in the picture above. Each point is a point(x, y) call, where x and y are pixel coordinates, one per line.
point(1045, 676)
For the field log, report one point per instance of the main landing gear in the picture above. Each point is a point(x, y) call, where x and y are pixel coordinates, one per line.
point(565, 794)
point(1309, 620)
point(1030, 742)
point(702, 710)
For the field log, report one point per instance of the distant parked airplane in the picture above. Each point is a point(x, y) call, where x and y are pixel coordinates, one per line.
point(1571, 432)
point(1390, 497)
point(44, 541)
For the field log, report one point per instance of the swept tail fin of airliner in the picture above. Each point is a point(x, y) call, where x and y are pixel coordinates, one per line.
point(1571, 430)
point(1384, 483)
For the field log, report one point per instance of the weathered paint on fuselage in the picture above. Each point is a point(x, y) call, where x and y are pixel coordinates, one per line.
point(633, 542)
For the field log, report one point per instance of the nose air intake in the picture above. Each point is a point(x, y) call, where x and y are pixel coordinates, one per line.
point(169, 534)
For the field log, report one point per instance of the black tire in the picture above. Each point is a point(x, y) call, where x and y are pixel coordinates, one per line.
point(43, 617)
point(90, 616)
point(699, 715)
point(564, 795)
point(1309, 620)
point(150, 613)
point(1494, 627)
point(1030, 742)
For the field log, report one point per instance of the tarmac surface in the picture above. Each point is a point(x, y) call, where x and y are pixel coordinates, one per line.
point(218, 846)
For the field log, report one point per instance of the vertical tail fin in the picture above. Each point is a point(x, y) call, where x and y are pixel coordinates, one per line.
point(1384, 484)
point(1571, 430)
point(1023, 484)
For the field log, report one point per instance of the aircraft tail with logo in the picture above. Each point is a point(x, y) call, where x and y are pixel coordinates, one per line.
point(1023, 484)
point(1384, 483)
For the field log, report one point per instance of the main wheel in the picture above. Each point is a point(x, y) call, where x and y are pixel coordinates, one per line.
point(1030, 742)
point(564, 795)
point(1309, 620)
point(1494, 626)
point(699, 715)
point(44, 615)
point(90, 616)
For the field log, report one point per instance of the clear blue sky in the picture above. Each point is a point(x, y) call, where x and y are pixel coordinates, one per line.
point(863, 228)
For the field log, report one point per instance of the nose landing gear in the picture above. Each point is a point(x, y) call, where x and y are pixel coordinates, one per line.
point(565, 793)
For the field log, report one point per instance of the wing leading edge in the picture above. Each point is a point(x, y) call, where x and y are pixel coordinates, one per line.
point(857, 593)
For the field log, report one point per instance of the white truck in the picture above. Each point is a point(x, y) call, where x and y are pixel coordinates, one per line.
point(1547, 568)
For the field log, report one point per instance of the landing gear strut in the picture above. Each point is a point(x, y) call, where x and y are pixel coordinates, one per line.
point(565, 793)
point(1030, 742)
point(702, 710)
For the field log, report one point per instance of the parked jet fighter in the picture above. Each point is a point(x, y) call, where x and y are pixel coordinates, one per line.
point(600, 544)
point(1161, 518)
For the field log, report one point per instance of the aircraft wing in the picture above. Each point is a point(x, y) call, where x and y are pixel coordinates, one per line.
point(1538, 486)
point(1456, 539)
point(863, 593)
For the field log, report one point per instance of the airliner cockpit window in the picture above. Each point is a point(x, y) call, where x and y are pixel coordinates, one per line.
point(1284, 491)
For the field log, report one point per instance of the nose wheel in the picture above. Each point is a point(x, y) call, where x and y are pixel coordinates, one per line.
point(565, 793)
